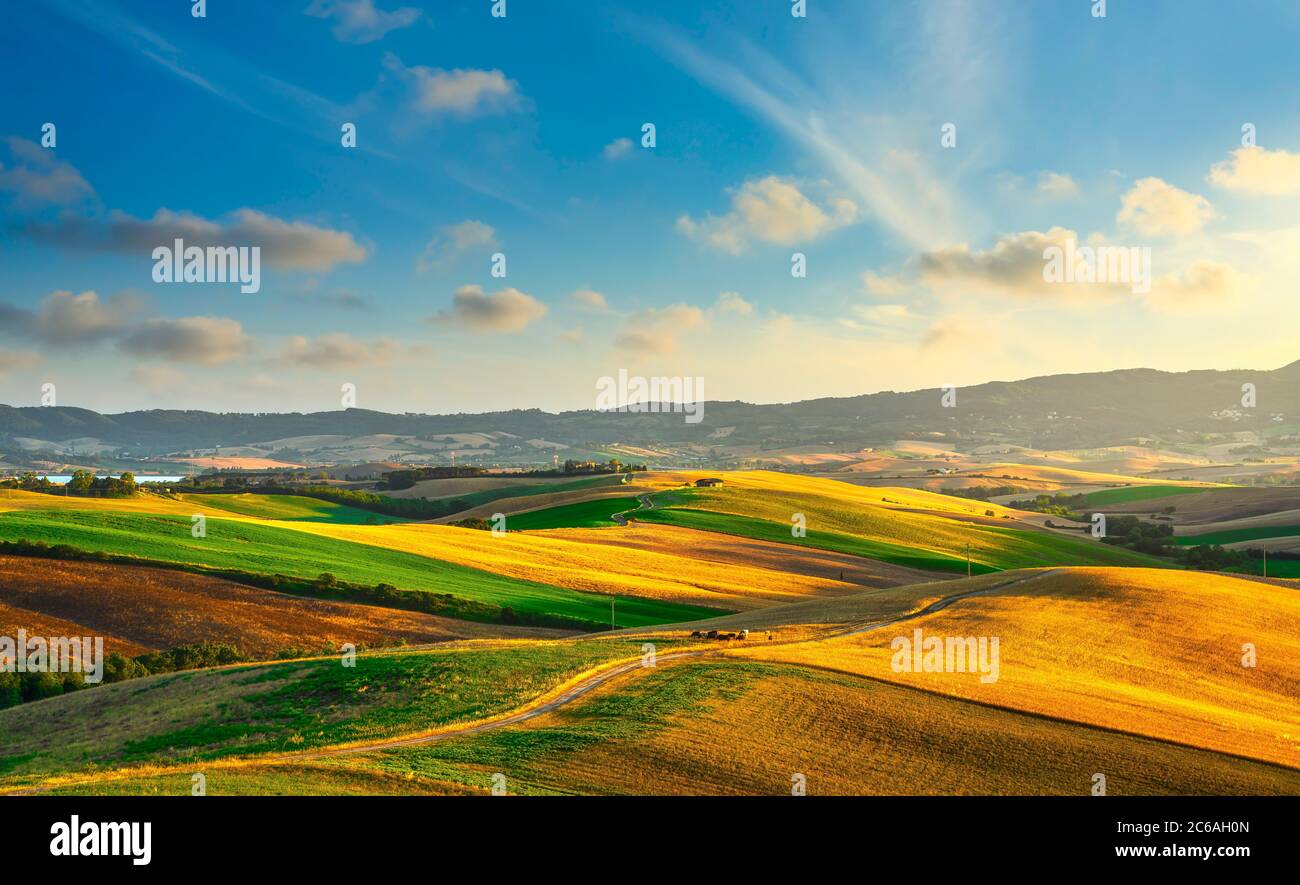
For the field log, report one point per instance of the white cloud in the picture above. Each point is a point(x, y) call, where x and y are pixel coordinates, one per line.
point(1253, 170)
point(731, 302)
point(590, 299)
point(338, 350)
point(506, 311)
point(37, 178)
point(771, 210)
point(1013, 265)
point(463, 92)
point(617, 149)
point(1205, 285)
point(360, 21)
point(883, 286)
point(658, 330)
point(1057, 186)
point(453, 240)
point(65, 319)
point(209, 341)
point(287, 245)
point(1156, 208)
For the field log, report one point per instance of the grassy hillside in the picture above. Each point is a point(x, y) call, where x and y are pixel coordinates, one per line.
point(1106, 497)
point(759, 529)
point(271, 549)
point(668, 571)
point(288, 507)
point(741, 728)
point(1154, 652)
point(486, 496)
point(745, 728)
point(1236, 536)
point(582, 514)
point(287, 707)
point(904, 526)
point(1133, 673)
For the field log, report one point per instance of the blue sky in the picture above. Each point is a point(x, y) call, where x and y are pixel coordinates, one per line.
point(775, 135)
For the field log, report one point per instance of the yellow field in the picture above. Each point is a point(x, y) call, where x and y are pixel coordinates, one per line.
point(916, 518)
point(859, 737)
point(1074, 475)
point(732, 728)
point(1151, 652)
point(16, 499)
point(580, 565)
point(771, 483)
point(732, 550)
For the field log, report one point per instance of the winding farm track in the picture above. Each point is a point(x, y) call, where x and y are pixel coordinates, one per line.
point(568, 695)
point(593, 682)
point(620, 518)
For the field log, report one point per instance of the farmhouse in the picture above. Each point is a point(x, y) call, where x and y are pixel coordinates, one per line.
point(705, 483)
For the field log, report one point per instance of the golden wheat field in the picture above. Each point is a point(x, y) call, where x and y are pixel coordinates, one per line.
point(849, 736)
point(1143, 651)
point(668, 572)
point(145, 502)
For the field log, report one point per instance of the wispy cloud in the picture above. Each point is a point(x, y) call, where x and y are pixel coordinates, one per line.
point(225, 76)
point(360, 21)
point(454, 240)
point(907, 199)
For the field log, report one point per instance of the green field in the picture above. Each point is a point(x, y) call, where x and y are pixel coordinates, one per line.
point(290, 507)
point(582, 515)
point(1277, 568)
point(487, 496)
point(1233, 536)
point(763, 530)
point(209, 714)
point(272, 550)
point(1137, 493)
point(993, 548)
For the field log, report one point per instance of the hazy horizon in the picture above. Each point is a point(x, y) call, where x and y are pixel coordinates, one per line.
point(399, 411)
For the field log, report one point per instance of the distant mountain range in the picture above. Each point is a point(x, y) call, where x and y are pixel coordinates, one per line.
point(1054, 411)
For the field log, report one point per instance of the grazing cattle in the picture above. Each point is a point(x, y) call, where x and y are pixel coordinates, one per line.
point(713, 634)
point(697, 634)
point(744, 634)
